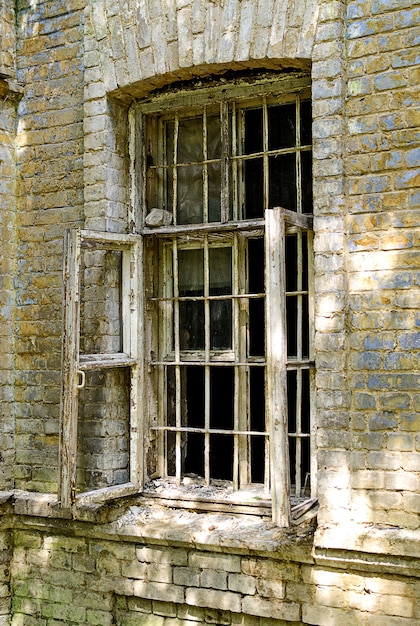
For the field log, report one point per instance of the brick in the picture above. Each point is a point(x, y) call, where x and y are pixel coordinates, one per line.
point(157, 591)
point(268, 608)
point(214, 561)
point(225, 600)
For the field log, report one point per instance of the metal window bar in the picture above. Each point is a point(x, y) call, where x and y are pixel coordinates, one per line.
point(237, 371)
point(205, 171)
point(224, 192)
point(206, 367)
point(178, 399)
point(175, 171)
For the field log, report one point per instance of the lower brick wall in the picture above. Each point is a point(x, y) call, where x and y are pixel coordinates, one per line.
point(70, 574)
point(5, 554)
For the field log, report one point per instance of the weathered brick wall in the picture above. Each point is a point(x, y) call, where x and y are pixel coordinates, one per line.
point(72, 163)
point(7, 242)
point(371, 450)
point(383, 245)
point(7, 36)
point(80, 578)
point(7, 270)
point(50, 197)
point(5, 557)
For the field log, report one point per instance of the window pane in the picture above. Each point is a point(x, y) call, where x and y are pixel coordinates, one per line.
point(220, 325)
point(283, 181)
point(306, 422)
point(192, 402)
point(100, 297)
point(191, 272)
point(220, 262)
point(256, 265)
point(221, 397)
point(220, 269)
point(214, 144)
point(291, 315)
point(291, 263)
point(192, 415)
point(291, 400)
point(190, 140)
point(282, 126)
point(306, 167)
point(254, 188)
point(305, 123)
point(214, 192)
point(191, 313)
point(221, 457)
point(191, 325)
point(103, 429)
point(256, 325)
point(253, 131)
point(190, 194)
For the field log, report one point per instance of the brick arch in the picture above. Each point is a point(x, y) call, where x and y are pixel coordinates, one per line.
point(145, 40)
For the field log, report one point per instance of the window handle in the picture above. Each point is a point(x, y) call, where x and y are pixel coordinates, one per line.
point(82, 379)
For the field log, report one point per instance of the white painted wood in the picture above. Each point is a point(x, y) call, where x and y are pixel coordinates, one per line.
point(69, 368)
point(276, 400)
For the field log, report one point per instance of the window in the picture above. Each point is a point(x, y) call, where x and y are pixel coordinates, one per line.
point(223, 371)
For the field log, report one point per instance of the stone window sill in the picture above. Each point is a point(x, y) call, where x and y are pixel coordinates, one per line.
point(136, 520)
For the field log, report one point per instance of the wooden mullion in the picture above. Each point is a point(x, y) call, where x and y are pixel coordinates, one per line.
point(276, 401)
point(205, 171)
point(175, 172)
point(224, 192)
point(70, 367)
point(135, 300)
point(311, 305)
point(178, 399)
point(266, 180)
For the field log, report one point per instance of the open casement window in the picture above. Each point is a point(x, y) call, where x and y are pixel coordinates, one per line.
point(224, 203)
point(101, 436)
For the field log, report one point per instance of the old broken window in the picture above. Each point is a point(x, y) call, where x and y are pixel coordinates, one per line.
point(221, 378)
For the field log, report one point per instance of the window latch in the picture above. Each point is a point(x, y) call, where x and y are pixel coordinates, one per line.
point(82, 379)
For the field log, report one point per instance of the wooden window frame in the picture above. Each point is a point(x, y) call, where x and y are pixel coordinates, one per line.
point(74, 364)
point(276, 224)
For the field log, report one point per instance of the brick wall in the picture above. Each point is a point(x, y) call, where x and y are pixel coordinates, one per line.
point(383, 252)
point(72, 169)
point(81, 578)
point(50, 197)
point(8, 242)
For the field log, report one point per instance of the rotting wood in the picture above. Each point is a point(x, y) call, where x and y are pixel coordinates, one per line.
point(276, 397)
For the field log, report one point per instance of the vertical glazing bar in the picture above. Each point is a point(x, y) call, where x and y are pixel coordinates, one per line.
point(224, 130)
point(237, 357)
point(207, 359)
point(236, 214)
point(178, 415)
point(313, 467)
point(165, 346)
point(298, 159)
point(299, 328)
point(205, 171)
point(266, 181)
point(175, 171)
